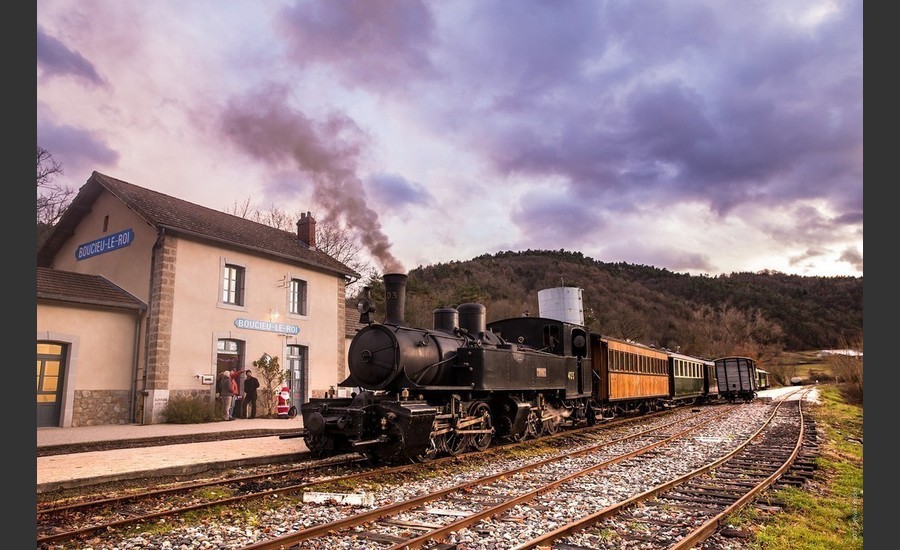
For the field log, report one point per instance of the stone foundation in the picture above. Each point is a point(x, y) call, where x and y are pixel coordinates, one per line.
point(101, 407)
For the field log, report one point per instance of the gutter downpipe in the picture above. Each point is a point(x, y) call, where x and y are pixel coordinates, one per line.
point(135, 362)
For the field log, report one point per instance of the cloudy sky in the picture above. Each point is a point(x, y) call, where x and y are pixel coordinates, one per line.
point(704, 136)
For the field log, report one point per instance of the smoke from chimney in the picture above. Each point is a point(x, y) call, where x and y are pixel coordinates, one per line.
point(326, 152)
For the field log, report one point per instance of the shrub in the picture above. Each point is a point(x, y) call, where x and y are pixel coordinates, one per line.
point(188, 410)
point(273, 376)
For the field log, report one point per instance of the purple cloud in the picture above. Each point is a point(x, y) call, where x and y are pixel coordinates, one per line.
point(57, 60)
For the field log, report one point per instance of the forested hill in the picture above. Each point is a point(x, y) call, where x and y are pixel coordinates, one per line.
point(702, 315)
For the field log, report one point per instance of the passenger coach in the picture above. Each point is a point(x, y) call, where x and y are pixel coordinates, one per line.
point(689, 378)
point(632, 377)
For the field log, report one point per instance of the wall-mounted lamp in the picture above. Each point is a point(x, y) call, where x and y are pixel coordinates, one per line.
point(273, 315)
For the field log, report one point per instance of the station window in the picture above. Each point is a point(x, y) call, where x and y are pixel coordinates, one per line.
point(233, 285)
point(297, 297)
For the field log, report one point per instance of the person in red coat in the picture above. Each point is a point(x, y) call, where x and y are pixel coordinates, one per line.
point(235, 375)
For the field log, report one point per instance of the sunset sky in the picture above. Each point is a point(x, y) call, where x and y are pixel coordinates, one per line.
point(703, 137)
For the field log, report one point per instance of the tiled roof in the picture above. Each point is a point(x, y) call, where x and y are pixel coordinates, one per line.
point(351, 322)
point(66, 286)
point(179, 216)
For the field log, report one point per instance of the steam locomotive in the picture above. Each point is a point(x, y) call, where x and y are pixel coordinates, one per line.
point(460, 385)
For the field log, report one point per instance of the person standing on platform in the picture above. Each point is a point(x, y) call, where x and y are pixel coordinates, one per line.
point(251, 384)
point(235, 392)
point(226, 393)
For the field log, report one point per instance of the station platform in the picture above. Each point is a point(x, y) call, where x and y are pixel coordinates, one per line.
point(66, 459)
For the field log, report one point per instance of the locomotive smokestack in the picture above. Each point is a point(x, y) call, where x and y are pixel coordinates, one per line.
point(394, 298)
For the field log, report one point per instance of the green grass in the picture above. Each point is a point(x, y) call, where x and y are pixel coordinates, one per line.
point(827, 512)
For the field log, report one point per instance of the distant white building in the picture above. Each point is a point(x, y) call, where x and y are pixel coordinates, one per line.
point(850, 352)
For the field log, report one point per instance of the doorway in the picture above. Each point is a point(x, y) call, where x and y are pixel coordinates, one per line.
point(230, 355)
point(298, 375)
point(51, 368)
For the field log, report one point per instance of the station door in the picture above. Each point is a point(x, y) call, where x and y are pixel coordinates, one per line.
point(51, 368)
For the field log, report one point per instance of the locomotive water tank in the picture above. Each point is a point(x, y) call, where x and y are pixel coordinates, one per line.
point(562, 303)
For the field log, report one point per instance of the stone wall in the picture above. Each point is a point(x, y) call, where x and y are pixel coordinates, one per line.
point(101, 407)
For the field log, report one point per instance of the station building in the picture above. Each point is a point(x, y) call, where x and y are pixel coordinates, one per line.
point(142, 297)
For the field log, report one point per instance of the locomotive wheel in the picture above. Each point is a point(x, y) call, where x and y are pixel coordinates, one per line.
point(533, 426)
point(483, 441)
point(456, 444)
point(550, 427)
point(504, 428)
point(430, 452)
point(524, 434)
point(316, 443)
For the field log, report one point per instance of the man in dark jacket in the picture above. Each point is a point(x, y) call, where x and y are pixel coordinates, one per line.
point(251, 384)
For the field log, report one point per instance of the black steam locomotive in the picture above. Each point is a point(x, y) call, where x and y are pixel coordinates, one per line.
point(461, 384)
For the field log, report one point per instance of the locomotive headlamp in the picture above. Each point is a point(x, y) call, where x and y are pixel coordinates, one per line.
point(366, 306)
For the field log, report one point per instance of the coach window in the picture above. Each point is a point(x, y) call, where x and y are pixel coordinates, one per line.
point(232, 288)
point(297, 297)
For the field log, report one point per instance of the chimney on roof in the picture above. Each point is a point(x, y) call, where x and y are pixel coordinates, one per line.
point(306, 230)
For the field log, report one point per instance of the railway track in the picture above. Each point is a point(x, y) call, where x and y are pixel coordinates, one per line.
point(447, 510)
point(683, 512)
point(507, 497)
point(78, 520)
point(478, 513)
point(117, 514)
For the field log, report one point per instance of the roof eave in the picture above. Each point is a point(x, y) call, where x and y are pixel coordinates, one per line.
point(264, 251)
point(87, 301)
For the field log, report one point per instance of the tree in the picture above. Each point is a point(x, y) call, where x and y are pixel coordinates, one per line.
point(273, 375)
point(847, 366)
point(52, 198)
point(332, 237)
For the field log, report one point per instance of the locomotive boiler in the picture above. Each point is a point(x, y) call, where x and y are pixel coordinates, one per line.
point(457, 386)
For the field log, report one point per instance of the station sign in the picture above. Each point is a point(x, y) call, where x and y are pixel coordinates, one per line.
point(104, 245)
point(266, 326)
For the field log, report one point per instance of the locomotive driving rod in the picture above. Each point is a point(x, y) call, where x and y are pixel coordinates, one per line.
point(301, 433)
point(379, 439)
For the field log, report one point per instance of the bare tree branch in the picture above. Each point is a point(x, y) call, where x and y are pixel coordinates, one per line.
point(332, 238)
point(52, 198)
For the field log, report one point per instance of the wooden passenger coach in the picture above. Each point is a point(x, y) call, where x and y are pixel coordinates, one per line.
point(626, 371)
